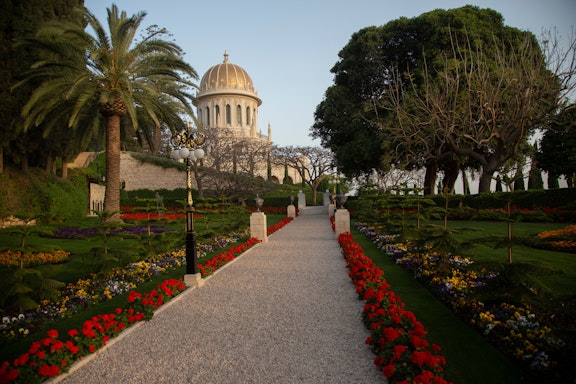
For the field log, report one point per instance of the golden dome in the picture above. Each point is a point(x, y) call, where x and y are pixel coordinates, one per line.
point(226, 77)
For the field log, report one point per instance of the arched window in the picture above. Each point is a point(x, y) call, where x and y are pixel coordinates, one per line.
point(200, 116)
point(217, 115)
point(239, 115)
point(228, 115)
point(207, 116)
point(248, 116)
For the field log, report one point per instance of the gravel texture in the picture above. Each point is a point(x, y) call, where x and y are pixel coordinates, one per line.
point(283, 312)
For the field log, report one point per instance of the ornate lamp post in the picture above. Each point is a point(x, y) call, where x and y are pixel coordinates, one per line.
point(187, 145)
point(338, 197)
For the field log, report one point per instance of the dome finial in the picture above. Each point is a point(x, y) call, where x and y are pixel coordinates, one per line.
point(226, 56)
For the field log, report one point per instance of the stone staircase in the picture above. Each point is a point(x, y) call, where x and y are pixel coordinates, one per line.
point(83, 160)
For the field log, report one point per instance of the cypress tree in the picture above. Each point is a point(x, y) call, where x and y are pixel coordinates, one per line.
point(535, 177)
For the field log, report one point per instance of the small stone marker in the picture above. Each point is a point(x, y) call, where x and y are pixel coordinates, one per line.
point(341, 221)
point(258, 227)
point(301, 200)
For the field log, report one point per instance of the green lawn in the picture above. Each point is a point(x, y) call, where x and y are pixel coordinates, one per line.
point(470, 359)
point(560, 284)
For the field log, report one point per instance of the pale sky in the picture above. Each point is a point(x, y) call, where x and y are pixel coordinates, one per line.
point(289, 47)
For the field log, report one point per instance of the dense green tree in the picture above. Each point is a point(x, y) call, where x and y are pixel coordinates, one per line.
point(124, 76)
point(519, 182)
point(20, 19)
point(351, 119)
point(342, 121)
point(557, 154)
point(444, 89)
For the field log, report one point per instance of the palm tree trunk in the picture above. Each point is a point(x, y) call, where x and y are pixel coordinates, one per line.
point(157, 142)
point(112, 193)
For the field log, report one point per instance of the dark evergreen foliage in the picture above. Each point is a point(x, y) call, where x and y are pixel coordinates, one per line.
point(19, 19)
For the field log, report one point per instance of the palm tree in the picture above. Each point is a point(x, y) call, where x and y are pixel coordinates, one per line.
point(102, 78)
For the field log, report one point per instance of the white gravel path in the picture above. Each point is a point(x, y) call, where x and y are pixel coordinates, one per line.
point(283, 312)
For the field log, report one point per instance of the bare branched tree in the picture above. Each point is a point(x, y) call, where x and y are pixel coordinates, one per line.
point(314, 162)
point(480, 105)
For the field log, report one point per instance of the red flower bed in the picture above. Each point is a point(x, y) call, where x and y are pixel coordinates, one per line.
point(273, 228)
point(397, 337)
point(217, 262)
point(52, 355)
point(154, 216)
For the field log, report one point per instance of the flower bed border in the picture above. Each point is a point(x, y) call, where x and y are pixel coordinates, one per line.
point(53, 356)
point(397, 337)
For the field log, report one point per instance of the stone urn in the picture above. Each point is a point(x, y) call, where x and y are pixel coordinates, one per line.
point(258, 201)
point(340, 200)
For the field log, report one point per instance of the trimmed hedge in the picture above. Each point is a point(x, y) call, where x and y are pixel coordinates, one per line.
point(561, 198)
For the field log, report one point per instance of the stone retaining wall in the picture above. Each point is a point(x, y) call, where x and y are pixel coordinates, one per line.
point(137, 175)
point(12, 221)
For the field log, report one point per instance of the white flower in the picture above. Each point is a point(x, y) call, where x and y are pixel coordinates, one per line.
point(489, 328)
point(5, 320)
point(21, 316)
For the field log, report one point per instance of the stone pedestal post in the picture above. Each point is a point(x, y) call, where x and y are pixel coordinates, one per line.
point(96, 197)
point(291, 211)
point(301, 200)
point(258, 227)
point(341, 221)
point(331, 209)
point(326, 198)
point(194, 280)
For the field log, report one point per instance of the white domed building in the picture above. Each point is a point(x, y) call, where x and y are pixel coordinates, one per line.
point(227, 109)
point(228, 100)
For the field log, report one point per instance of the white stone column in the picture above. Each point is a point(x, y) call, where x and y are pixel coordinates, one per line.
point(326, 198)
point(341, 221)
point(301, 200)
point(258, 227)
point(291, 211)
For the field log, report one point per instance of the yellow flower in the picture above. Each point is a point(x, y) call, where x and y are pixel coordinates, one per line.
point(486, 317)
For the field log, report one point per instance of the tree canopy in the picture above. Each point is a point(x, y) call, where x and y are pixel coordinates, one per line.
point(446, 90)
point(557, 154)
point(97, 77)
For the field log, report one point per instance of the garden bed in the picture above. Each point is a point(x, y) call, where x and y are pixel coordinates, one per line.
point(52, 355)
point(537, 337)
